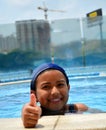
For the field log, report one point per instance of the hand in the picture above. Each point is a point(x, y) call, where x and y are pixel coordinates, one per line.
point(31, 113)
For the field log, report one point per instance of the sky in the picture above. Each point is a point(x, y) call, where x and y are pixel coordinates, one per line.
point(16, 10)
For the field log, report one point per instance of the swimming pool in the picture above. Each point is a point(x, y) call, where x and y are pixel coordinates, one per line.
point(88, 88)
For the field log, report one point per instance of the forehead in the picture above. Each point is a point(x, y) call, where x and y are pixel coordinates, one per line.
point(51, 73)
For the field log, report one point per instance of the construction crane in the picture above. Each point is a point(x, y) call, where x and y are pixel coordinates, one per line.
point(45, 9)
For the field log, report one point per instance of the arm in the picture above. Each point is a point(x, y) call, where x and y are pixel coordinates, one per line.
point(80, 107)
point(31, 113)
point(83, 108)
point(95, 110)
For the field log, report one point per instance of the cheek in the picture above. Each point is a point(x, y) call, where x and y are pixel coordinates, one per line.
point(66, 93)
point(42, 95)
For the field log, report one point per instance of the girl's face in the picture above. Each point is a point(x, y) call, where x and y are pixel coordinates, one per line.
point(52, 89)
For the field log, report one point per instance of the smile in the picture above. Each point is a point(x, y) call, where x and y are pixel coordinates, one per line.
point(55, 100)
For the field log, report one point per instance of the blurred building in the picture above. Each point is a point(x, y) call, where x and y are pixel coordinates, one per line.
point(33, 35)
point(8, 43)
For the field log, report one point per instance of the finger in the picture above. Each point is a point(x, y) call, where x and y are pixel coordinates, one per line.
point(30, 123)
point(33, 116)
point(32, 100)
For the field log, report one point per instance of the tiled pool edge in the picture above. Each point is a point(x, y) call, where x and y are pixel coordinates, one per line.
point(68, 122)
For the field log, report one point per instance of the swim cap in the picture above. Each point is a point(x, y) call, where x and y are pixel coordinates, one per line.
point(42, 68)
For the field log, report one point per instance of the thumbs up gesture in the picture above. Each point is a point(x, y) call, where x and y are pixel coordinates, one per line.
point(32, 100)
point(31, 113)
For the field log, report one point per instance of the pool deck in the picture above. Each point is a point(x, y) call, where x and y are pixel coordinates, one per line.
point(67, 122)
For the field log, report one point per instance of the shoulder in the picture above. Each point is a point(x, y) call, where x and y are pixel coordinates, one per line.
point(80, 107)
point(73, 108)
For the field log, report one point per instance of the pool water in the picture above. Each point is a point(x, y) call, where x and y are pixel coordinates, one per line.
point(87, 89)
point(91, 91)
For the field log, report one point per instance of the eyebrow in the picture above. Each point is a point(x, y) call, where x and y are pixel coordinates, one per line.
point(43, 83)
point(62, 80)
point(46, 82)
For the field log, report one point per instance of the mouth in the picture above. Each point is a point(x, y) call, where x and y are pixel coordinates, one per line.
point(55, 100)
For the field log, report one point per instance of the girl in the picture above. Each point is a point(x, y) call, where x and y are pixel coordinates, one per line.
point(50, 87)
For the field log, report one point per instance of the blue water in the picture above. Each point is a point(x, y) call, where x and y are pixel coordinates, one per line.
point(85, 88)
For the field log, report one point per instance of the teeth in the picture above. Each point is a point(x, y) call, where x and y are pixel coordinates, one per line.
point(55, 100)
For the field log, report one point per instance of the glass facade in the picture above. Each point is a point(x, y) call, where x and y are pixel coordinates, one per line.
point(67, 42)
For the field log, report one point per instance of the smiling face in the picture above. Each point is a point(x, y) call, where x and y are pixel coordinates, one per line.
point(52, 89)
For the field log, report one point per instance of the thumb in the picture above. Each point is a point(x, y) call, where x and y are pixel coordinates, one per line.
point(32, 100)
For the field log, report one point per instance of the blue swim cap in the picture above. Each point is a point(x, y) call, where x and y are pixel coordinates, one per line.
point(42, 68)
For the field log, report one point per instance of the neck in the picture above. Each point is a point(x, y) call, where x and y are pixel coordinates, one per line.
point(48, 112)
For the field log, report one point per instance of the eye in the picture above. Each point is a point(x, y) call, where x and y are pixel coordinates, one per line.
point(46, 87)
point(61, 85)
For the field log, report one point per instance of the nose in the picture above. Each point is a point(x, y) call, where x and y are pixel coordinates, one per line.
point(54, 91)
